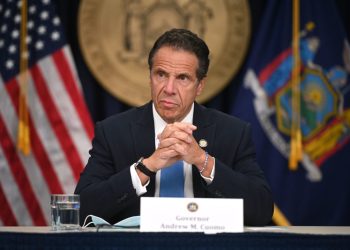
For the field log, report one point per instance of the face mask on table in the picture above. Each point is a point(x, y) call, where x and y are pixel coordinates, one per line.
point(130, 222)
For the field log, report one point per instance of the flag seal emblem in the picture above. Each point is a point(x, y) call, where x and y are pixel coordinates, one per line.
point(325, 122)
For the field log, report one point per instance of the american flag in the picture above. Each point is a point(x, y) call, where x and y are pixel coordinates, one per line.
point(60, 126)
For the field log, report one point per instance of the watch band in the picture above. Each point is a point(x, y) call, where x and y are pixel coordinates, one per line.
point(140, 166)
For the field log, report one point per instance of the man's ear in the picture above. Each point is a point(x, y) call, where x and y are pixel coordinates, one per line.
point(200, 86)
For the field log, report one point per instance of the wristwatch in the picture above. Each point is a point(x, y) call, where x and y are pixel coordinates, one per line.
point(140, 166)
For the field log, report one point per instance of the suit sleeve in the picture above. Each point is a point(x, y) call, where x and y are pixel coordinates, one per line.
point(104, 190)
point(237, 175)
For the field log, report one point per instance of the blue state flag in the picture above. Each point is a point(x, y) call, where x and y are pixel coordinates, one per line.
point(317, 192)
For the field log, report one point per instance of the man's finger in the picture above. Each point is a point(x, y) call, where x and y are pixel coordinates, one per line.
point(170, 129)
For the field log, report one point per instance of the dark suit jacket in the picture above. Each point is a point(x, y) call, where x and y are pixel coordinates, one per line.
point(105, 185)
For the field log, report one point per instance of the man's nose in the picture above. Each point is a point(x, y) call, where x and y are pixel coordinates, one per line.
point(170, 85)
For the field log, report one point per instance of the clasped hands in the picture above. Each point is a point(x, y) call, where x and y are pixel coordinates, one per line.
point(176, 142)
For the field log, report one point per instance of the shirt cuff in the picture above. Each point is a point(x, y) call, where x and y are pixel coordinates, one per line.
point(210, 179)
point(136, 182)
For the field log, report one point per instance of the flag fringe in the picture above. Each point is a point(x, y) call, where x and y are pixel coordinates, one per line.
point(278, 217)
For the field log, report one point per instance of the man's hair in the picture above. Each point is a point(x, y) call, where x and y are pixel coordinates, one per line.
point(183, 39)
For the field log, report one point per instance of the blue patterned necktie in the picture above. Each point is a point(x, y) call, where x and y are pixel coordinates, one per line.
point(172, 181)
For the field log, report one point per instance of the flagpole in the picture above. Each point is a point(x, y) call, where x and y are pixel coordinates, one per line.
point(23, 137)
point(296, 152)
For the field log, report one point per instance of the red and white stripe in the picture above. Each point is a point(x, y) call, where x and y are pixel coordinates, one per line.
point(61, 132)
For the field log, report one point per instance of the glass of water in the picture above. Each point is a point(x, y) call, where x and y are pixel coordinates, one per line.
point(65, 212)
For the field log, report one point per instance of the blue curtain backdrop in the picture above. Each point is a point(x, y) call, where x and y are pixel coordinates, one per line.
point(304, 201)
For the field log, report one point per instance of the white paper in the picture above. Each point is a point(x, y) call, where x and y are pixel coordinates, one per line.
point(207, 215)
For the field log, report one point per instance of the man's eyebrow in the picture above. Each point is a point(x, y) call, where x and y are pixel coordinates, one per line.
point(183, 74)
point(159, 70)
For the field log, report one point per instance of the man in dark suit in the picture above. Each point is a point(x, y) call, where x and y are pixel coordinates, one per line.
point(131, 150)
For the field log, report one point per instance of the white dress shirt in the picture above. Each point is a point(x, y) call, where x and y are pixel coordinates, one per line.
point(159, 125)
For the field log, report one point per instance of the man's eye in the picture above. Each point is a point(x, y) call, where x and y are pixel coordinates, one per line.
point(183, 78)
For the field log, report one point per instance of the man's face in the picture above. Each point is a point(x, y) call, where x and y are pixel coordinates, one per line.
point(174, 84)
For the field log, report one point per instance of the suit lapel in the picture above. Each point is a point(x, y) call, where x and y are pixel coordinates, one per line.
point(143, 138)
point(205, 131)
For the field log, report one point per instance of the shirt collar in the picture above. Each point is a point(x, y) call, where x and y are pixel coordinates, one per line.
point(159, 123)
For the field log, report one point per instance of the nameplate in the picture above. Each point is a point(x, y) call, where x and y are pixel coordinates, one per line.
point(207, 215)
